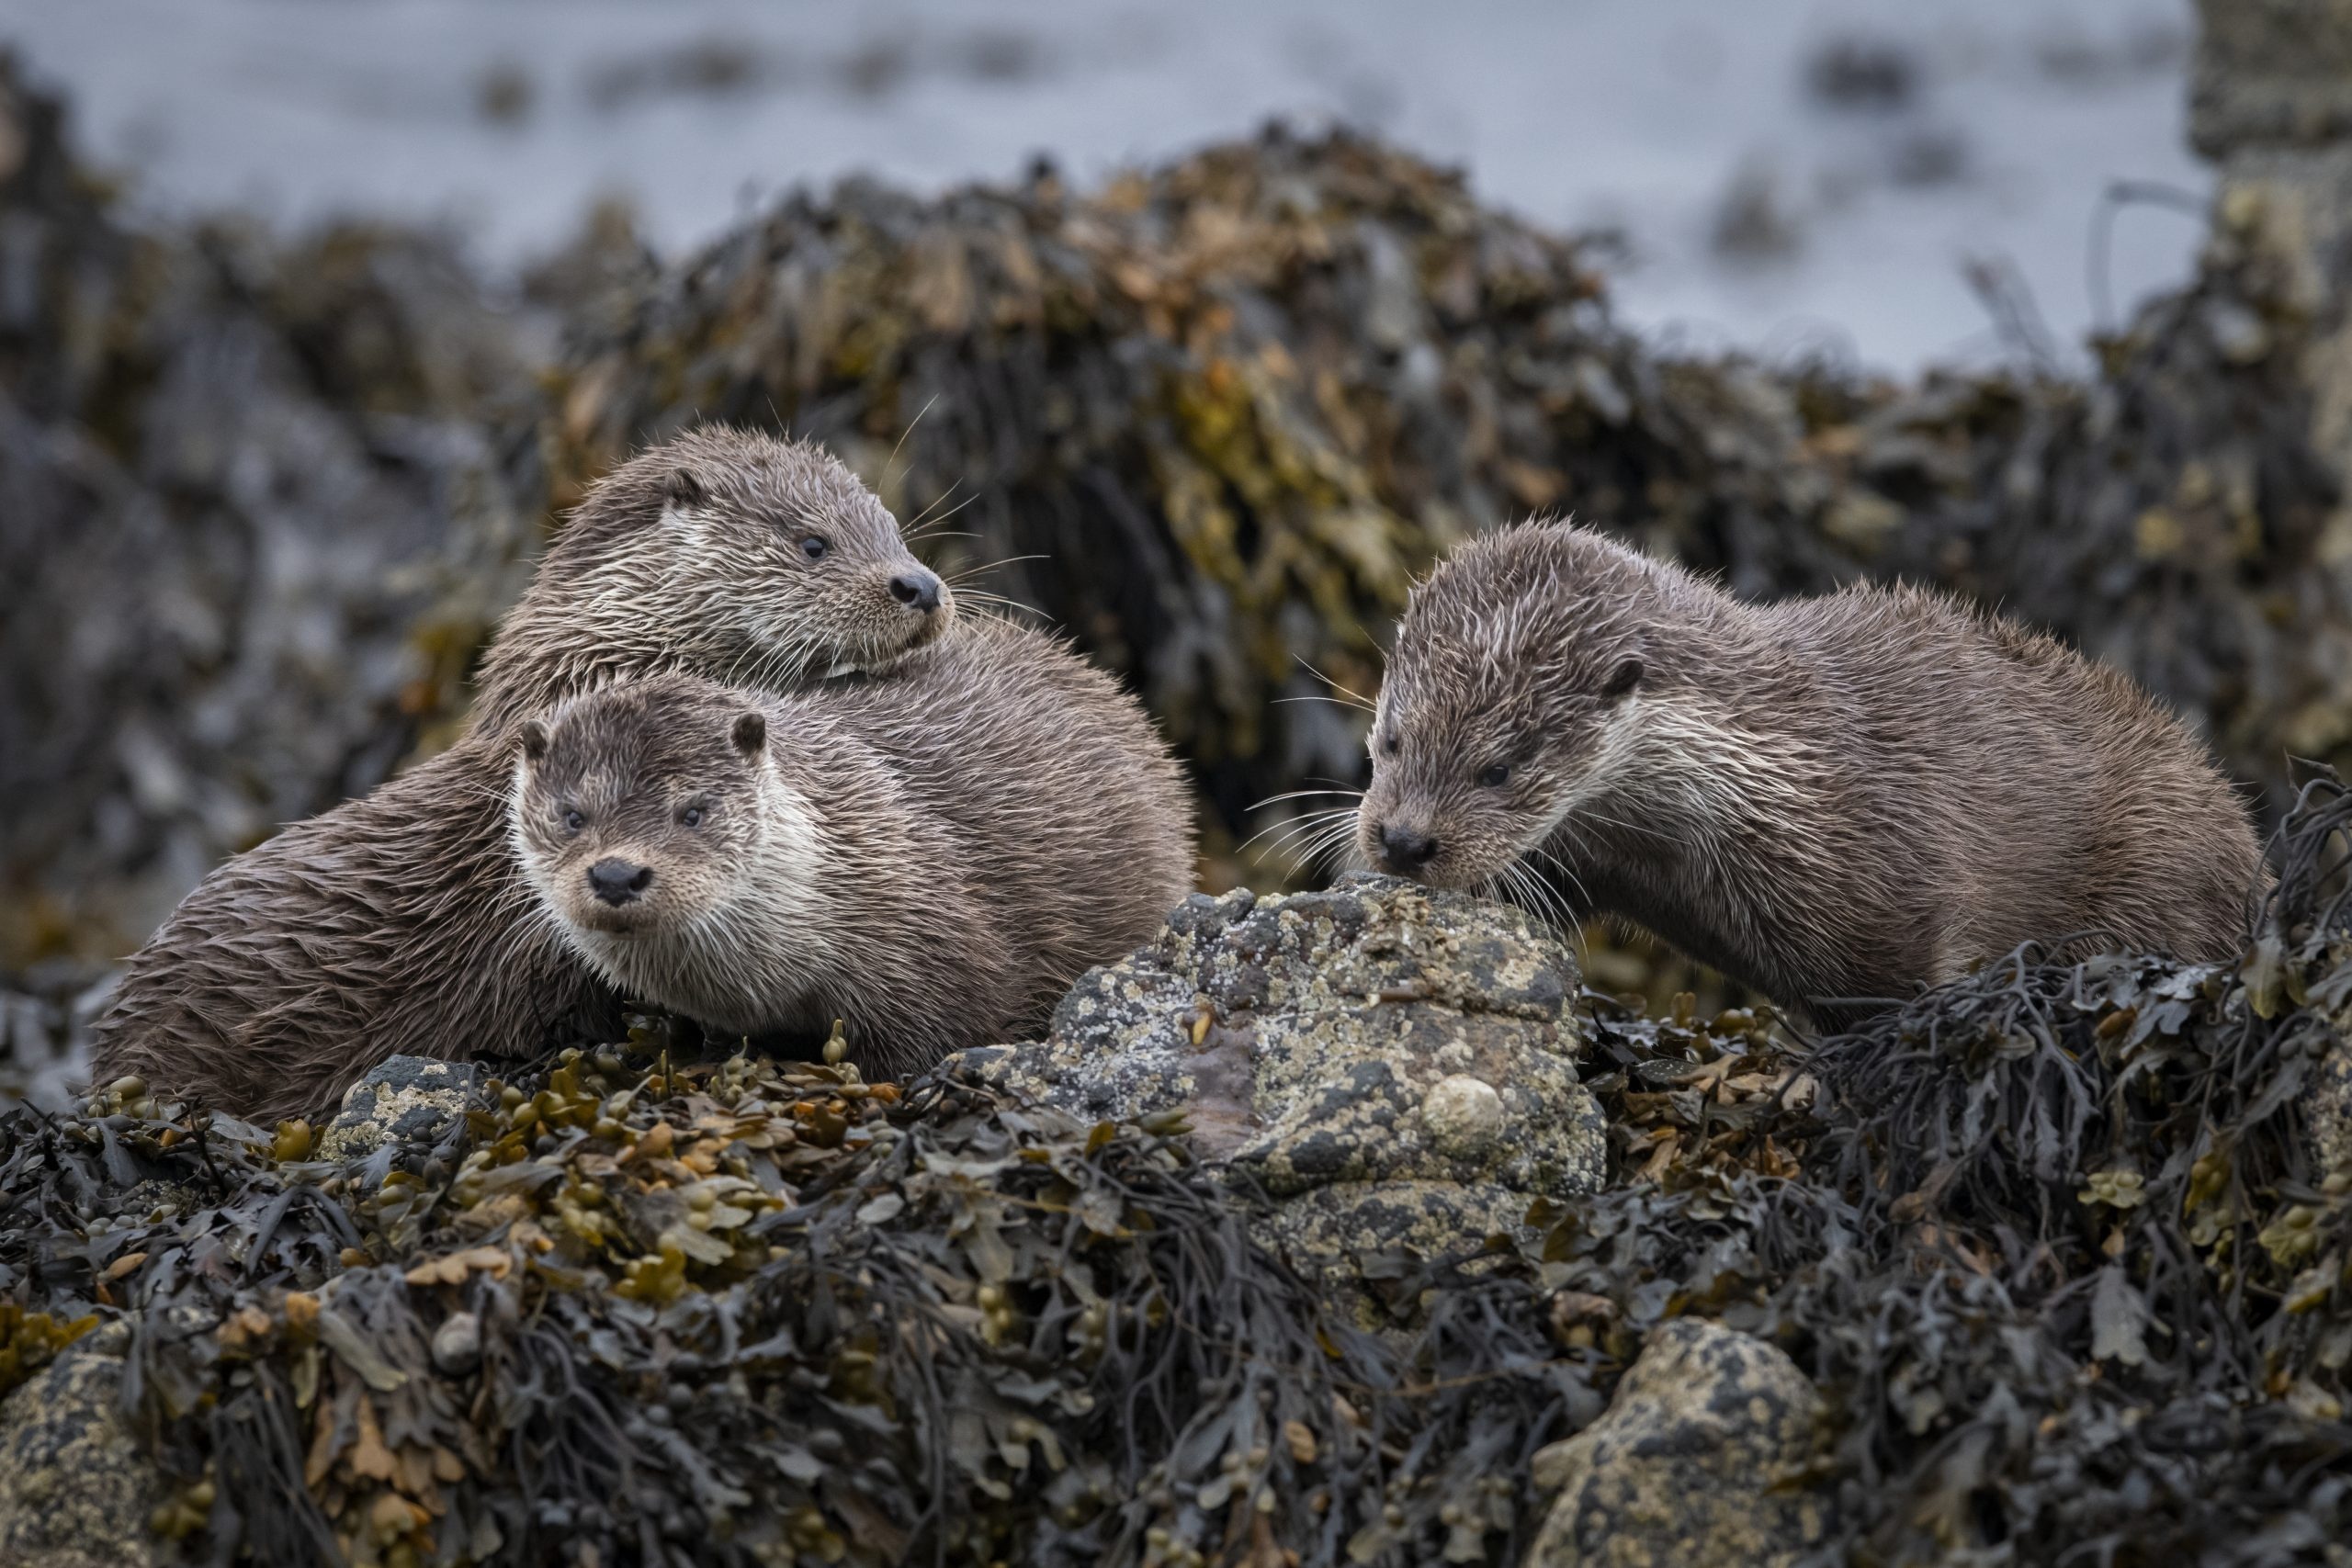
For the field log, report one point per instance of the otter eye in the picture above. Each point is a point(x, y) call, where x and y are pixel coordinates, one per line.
point(1391, 745)
point(1496, 776)
point(815, 545)
point(691, 816)
point(573, 821)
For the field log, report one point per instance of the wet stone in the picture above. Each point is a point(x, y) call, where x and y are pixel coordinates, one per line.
point(407, 1102)
point(75, 1488)
point(1393, 1064)
point(1694, 1464)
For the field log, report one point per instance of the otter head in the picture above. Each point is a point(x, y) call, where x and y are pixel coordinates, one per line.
point(735, 555)
point(650, 821)
point(1517, 679)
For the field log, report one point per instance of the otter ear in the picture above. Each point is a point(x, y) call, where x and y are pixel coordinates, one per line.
point(1623, 680)
point(683, 488)
point(534, 741)
point(750, 733)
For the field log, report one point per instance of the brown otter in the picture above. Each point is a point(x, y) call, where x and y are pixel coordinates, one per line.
point(931, 858)
point(1830, 799)
point(724, 552)
point(396, 923)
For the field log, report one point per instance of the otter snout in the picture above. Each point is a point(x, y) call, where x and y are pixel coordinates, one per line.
point(617, 881)
point(917, 590)
point(1405, 851)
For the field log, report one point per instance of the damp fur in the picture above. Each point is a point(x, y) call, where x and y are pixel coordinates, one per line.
point(1832, 799)
point(396, 923)
point(931, 857)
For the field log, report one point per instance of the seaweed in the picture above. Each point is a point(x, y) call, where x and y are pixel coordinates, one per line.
point(2054, 1241)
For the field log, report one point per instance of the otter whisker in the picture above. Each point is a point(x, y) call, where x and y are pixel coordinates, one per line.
point(1291, 836)
point(1301, 794)
point(1317, 822)
point(904, 433)
point(1584, 895)
point(976, 596)
point(918, 530)
point(1319, 697)
point(970, 572)
point(1360, 699)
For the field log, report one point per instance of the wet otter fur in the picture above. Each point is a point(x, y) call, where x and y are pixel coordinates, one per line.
point(1830, 799)
point(931, 858)
point(396, 923)
point(723, 552)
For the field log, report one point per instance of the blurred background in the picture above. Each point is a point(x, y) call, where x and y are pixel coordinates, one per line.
point(1214, 325)
point(1786, 176)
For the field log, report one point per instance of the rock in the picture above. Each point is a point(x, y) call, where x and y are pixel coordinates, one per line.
point(1691, 1464)
point(408, 1102)
point(2330, 1106)
point(456, 1344)
point(1394, 1065)
point(76, 1487)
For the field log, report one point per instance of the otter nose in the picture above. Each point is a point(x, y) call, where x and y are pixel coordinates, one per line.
point(917, 590)
point(1405, 849)
point(618, 882)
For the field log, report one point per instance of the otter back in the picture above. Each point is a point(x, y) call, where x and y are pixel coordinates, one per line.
point(393, 924)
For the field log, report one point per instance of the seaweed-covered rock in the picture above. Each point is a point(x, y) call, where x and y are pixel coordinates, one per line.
point(1696, 1463)
point(259, 502)
point(76, 1488)
point(1395, 1065)
point(406, 1100)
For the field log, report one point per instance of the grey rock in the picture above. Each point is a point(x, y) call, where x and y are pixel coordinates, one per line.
point(2330, 1106)
point(1698, 1462)
point(408, 1102)
point(1395, 1065)
point(456, 1344)
point(75, 1488)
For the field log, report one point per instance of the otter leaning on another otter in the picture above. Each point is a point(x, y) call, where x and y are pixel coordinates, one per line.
point(931, 858)
point(398, 922)
point(1830, 799)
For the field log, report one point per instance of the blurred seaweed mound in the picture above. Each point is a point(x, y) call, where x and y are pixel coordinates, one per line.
point(255, 513)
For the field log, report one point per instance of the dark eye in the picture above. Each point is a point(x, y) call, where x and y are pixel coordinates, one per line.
point(814, 547)
point(691, 816)
point(573, 821)
point(1496, 776)
point(1391, 745)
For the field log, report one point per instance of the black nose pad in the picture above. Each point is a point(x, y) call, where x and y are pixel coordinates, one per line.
point(916, 589)
point(618, 882)
point(1405, 849)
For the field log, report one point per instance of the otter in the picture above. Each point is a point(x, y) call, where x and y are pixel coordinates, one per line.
point(931, 858)
point(1834, 800)
point(722, 551)
point(396, 923)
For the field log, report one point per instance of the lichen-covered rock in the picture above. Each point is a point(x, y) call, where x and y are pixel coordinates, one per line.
point(1695, 1463)
point(1394, 1064)
point(75, 1488)
point(407, 1102)
point(2330, 1106)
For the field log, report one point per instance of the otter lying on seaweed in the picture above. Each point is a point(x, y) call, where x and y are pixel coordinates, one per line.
point(931, 858)
point(396, 923)
point(1833, 800)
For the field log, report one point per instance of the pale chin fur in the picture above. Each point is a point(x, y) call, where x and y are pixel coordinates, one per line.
point(716, 966)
